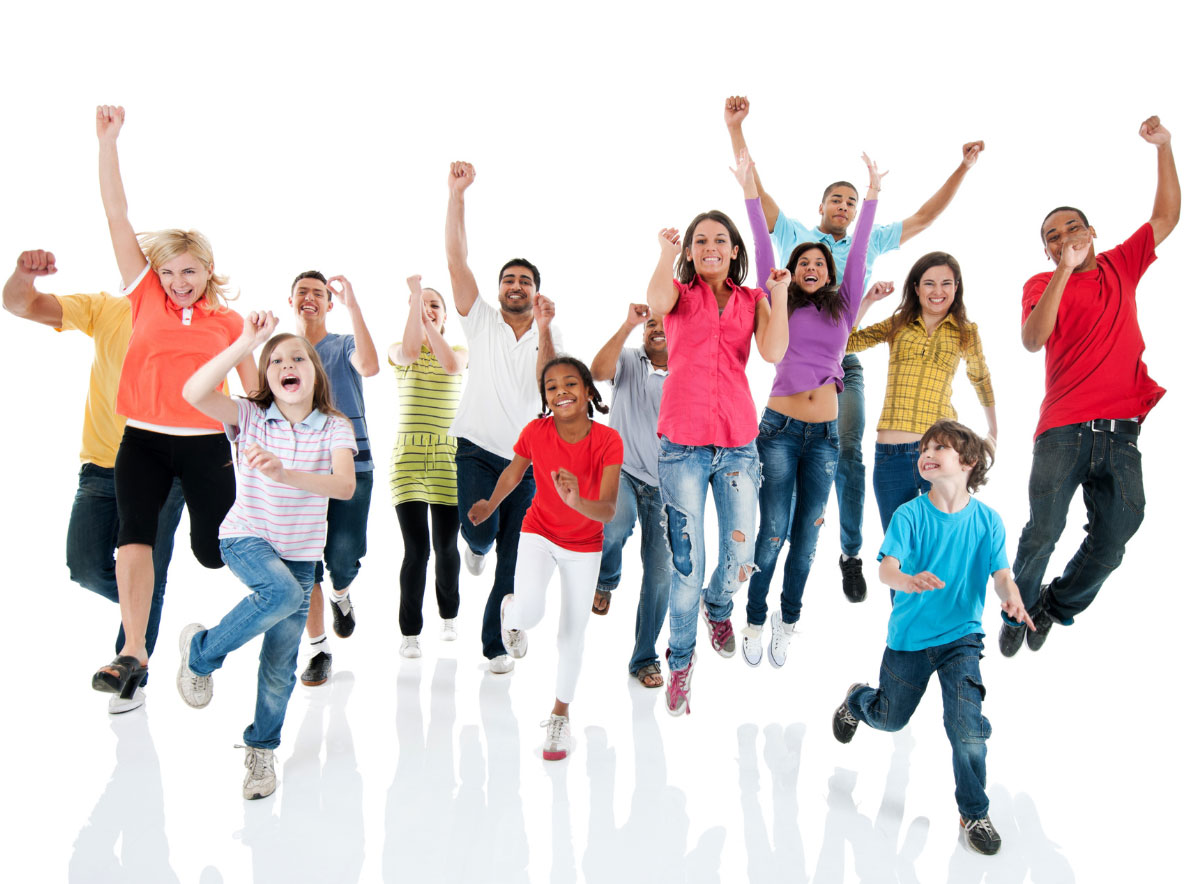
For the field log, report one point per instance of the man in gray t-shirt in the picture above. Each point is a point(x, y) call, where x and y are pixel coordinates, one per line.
point(637, 376)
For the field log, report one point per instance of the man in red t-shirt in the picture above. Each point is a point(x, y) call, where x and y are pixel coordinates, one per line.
point(1098, 392)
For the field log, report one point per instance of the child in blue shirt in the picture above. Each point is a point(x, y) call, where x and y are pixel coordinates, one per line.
point(937, 555)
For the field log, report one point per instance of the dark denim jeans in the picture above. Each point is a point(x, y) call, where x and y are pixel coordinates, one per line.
point(851, 476)
point(346, 541)
point(798, 464)
point(478, 470)
point(896, 478)
point(1109, 467)
point(641, 501)
point(276, 609)
point(92, 539)
point(903, 677)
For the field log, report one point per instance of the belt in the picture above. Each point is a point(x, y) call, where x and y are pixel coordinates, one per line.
point(1105, 425)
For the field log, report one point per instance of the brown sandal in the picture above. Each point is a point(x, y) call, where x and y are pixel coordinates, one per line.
point(601, 601)
point(650, 675)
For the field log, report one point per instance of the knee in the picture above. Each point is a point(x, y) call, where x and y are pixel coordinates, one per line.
point(970, 726)
point(208, 555)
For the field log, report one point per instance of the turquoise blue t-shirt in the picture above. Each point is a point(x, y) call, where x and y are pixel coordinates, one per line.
point(789, 233)
point(963, 550)
point(346, 385)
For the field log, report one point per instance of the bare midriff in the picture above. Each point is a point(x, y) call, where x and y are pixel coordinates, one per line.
point(811, 406)
point(896, 437)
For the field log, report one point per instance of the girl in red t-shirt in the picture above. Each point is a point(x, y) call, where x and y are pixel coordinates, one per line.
point(577, 470)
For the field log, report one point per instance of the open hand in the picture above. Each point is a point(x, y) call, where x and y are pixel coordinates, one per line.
point(36, 262)
point(669, 241)
point(344, 292)
point(873, 187)
point(744, 173)
point(736, 109)
point(461, 176)
point(566, 484)
point(265, 462)
point(109, 120)
point(1155, 132)
point(1015, 609)
point(922, 582)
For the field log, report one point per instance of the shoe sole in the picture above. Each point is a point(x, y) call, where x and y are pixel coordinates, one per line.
point(554, 756)
point(117, 706)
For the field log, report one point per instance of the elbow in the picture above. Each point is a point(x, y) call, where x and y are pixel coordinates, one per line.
point(608, 513)
point(191, 395)
point(1030, 343)
point(345, 488)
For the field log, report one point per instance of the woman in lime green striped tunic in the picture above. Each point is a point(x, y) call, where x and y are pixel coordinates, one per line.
point(424, 488)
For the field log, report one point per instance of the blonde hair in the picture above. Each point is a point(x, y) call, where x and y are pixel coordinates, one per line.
point(163, 245)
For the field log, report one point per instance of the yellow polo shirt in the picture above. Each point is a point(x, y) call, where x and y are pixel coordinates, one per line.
point(106, 320)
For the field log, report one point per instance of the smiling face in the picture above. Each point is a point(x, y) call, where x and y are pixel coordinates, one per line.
point(936, 290)
point(711, 250)
point(517, 288)
point(838, 210)
point(811, 272)
point(310, 300)
point(434, 309)
point(184, 279)
point(291, 374)
point(1065, 227)
point(566, 393)
point(654, 339)
point(940, 461)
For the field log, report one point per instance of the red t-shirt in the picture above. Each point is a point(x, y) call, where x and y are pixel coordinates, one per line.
point(548, 515)
point(706, 397)
point(166, 348)
point(1094, 365)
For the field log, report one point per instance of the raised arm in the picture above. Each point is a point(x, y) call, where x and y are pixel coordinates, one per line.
point(365, 358)
point(1165, 214)
point(462, 280)
point(764, 254)
point(854, 279)
point(877, 292)
point(23, 300)
point(1039, 324)
point(408, 350)
point(937, 203)
point(543, 315)
point(771, 323)
point(130, 258)
point(737, 107)
point(604, 365)
point(203, 389)
point(661, 294)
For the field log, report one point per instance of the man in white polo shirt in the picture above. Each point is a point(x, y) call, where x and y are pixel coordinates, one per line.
point(501, 396)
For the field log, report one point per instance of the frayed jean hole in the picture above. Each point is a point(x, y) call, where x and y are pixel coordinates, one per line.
point(677, 538)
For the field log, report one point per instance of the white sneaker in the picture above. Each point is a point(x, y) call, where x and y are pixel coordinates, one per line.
point(752, 648)
point(501, 664)
point(196, 690)
point(516, 642)
point(449, 630)
point(260, 773)
point(781, 635)
point(410, 646)
point(116, 705)
point(474, 562)
point(558, 738)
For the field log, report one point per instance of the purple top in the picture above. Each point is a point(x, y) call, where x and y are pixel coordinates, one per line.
point(816, 344)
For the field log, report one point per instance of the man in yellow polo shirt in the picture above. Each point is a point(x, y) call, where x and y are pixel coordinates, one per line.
point(92, 531)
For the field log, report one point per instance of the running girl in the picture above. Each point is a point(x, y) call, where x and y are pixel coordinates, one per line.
point(180, 321)
point(706, 424)
point(424, 478)
point(564, 527)
point(295, 451)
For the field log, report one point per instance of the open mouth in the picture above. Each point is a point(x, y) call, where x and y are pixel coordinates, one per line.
point(810, 279)
point(564, 401)
point(929, 465)
point(309, 309)
point(658, 338)
point(290, 382)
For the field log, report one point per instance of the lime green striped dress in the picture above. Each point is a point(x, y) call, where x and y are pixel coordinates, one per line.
point(423, 459)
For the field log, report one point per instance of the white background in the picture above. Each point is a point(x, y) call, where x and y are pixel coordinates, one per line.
point(305, 135)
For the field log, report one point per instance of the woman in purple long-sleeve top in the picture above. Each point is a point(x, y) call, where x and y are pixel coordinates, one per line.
point(798, 434)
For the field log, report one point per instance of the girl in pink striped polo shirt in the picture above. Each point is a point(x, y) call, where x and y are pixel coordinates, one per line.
point(295, 451)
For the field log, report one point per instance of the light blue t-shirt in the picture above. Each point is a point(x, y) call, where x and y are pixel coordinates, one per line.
point(963, 550)
point(637, 398)
point(335, 352)
point(789, 233)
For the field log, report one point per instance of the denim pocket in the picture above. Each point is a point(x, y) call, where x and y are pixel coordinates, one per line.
point(1127, 472)
point(669, 452)
point(771, 424)
point(1055, 453)
point(972, 724)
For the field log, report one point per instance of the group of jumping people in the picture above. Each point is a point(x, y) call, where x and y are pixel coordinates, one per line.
point(562, 492)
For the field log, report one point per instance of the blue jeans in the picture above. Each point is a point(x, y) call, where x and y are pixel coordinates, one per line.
point(276, 609)
point(684, 474)
point(346, 541)
point(903, 677)
point(851, 475)
point(798, 463)
point(1109, 467)
point(92, 537)
point(897, 479)
point(478, 470)
point(641, 501)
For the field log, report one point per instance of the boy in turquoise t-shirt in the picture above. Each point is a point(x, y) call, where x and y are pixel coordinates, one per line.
point(937, 555)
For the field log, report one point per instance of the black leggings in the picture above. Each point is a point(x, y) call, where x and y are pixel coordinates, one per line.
point(414, 527)
point(147, 463)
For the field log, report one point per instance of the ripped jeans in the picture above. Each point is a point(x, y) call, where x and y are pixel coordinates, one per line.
point(799, 460)
point(903, 677)
point(684, 474)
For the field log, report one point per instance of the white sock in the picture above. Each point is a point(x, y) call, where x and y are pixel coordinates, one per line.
point(317, 645)
point(846, 558)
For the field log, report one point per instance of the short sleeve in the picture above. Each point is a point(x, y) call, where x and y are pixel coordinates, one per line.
point(79, 312)
point(1034, 287)
point(556, 337)
point(614, 449)
point(626, 361)
point(1131, 258)
point(998, 553)
point(245, 416)
point(787, 234)
point(349, 348)
point(524, 446)
point(899, 540)
point(137, 290)
point(342, 435)
point(473, 322)
point(885, 238)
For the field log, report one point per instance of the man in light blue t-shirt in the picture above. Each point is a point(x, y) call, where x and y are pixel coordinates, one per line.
point(839, 205)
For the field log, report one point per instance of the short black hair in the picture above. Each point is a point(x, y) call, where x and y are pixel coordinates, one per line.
point(312, 274)
point(1079, 212)
point(829, 189)
point(521, 262)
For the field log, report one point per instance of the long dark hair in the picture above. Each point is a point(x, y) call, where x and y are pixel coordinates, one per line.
point(739, 264)
point(585, 375)
point(910, 301)
point(826, 298)
point(322, 391)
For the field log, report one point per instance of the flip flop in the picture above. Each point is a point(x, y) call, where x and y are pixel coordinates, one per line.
point(650, 675)
point(601, 601)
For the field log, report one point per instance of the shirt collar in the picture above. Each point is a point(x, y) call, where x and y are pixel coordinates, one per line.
point(645, 357)
point(314, 421)
point(949, 320)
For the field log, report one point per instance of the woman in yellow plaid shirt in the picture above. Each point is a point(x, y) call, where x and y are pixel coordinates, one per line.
point(927, 335)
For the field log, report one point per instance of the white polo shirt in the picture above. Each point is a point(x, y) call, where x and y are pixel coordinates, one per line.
point(501, 394)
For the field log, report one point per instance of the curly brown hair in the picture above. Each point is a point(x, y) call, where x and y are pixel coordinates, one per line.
point(979, 453)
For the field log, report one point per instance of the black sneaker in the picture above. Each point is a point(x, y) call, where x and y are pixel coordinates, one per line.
point(1012, 636)
point(853, 584)
point(981, 835)
point(1042, 620)
point(343, 616)
point(844, 722)
point(317, 671)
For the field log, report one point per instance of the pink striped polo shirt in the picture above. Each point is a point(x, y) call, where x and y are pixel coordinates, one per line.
point(291, 520)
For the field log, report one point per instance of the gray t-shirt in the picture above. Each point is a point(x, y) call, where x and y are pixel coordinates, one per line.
point(347, 388)
point(637, 395)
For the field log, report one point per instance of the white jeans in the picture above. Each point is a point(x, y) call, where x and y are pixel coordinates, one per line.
point(536, 559)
